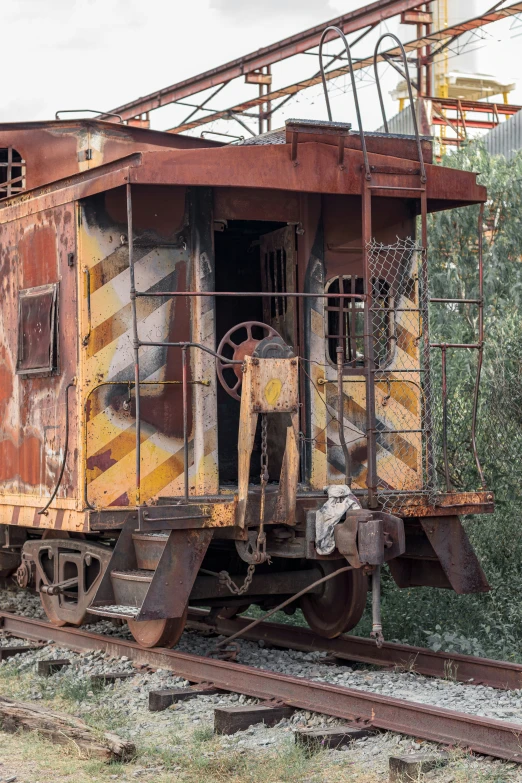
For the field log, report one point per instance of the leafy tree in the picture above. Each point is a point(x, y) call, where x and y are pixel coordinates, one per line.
point(485, 623)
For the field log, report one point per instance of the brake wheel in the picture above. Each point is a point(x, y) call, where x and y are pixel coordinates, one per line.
point(231, 343)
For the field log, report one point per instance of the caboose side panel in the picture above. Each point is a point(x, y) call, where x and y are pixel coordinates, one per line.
point(162, 258)
point(38, 356)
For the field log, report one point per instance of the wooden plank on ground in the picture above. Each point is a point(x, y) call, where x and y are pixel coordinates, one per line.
point(64, 730)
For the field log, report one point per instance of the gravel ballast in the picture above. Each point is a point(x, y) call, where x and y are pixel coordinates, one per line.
point(127, 700)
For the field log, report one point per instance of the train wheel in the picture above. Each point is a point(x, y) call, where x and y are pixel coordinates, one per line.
point(158, 633)
point(51, 609)
point(340, 605)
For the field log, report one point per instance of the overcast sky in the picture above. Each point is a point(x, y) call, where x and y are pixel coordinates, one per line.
point(67, 54)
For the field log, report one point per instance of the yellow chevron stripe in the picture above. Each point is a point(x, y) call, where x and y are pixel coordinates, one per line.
point(120, 477)
point(149, 270)
point(104, 357)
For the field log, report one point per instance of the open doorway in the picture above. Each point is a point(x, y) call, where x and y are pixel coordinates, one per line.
point(249, 256)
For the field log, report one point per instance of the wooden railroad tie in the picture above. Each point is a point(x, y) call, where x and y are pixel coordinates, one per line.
point(50, 667)
point(411, 768)
point(9, 652)
point(100, 680)
point(335, 737)
point(165, 698)
point(229, 720)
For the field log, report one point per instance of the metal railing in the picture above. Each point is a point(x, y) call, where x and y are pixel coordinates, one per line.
point(479, 347)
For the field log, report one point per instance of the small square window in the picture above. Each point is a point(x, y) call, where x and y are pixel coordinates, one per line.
point(38, 330)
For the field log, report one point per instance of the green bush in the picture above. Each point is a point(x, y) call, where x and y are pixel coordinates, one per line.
point(484, 624)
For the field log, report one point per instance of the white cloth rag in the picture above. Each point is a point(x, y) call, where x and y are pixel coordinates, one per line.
point(340, 500)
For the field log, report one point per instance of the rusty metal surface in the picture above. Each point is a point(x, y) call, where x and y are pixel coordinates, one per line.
point(457, 557)
point(34, 253)
point(449, 503)
point(482, 735)
point(382, 144)
point(231, 167)
point(68, 573)
point(174, 577)
point(108, 388)
point(318, 172)
point(167, 237)
point(66, 143)
point(463, 668)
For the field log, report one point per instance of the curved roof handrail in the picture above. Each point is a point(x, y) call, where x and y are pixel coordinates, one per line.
point(354, 88)
point(410, 94)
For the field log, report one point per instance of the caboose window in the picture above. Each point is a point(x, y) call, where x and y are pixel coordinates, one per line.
point(345, 321)
point(12, 172)
point(38, 330)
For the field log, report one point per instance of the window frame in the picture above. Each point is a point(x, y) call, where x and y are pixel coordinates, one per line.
point(377, 285)
point(52, 367)
point(11, 185)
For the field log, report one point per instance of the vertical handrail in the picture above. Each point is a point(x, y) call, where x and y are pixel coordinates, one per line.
point(480, 349)
point(340, 410)
point(185, 422)
point(426, 352)
point(136, 348)
point(87, 274)
point(354, 88)
point(445, 418)
point(369, 358)
point(410, 94)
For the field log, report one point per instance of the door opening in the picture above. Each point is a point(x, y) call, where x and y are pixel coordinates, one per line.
point(250, 256)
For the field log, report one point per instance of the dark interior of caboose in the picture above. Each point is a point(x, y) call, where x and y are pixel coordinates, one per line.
point(238, 268)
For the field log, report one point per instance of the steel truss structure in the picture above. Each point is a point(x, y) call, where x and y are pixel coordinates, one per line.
point(255, 68)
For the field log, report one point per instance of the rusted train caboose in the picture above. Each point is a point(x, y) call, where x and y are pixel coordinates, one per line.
point(195, 341)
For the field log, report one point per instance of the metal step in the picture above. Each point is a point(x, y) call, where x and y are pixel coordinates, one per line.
point(130, 587)
point(149, 548)
point(116, 611)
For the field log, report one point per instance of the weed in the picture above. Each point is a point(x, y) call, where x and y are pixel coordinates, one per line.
point(203, 734)
point(106, 718)
point(73, 688)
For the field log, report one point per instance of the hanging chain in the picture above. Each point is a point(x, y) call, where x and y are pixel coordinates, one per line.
point(226, 580)
point(261, 556)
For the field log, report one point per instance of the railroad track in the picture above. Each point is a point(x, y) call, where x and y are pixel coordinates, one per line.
point(492, 737)
point(463, 668)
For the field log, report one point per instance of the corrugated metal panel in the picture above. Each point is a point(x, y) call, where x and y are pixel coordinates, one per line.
point(401, 123)
point(506, 138)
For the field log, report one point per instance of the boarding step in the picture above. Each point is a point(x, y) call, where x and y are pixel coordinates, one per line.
point(149, 548)
point(130, 587)
point(115, 612)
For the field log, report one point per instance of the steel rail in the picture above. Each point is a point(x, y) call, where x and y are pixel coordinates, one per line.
point(488, 736)
point(464, 668)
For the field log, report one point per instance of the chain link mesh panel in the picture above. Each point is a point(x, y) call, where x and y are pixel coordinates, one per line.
point(401, 359)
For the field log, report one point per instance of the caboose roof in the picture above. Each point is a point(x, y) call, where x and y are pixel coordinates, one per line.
point(309, 163)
